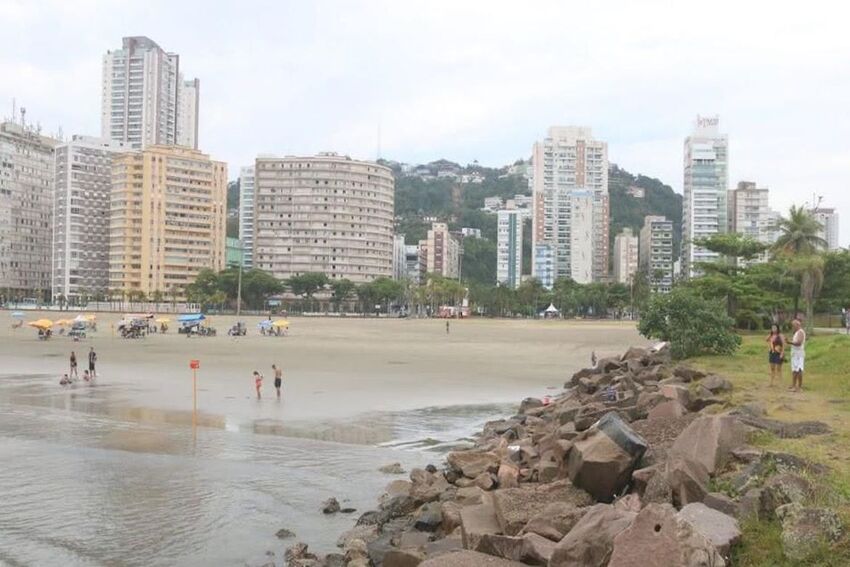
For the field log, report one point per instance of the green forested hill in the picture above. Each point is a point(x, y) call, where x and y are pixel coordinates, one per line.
point(629, 211)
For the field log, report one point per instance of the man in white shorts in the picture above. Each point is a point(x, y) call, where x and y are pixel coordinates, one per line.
point(798, 356)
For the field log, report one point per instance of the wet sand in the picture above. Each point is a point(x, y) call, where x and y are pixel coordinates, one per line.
point(333, 368)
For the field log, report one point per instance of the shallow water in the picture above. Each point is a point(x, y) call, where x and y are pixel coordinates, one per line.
point(88, 479)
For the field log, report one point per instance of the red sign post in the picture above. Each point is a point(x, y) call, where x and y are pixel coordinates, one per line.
point(194, 364)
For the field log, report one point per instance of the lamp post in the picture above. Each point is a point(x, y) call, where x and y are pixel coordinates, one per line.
point(239, 287)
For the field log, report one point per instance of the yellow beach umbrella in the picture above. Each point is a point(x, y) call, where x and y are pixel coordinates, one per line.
point(62, 322)
point(41, 324)
point(281, 323)
point(91, 317)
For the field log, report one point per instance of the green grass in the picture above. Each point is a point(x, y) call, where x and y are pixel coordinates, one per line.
point(826, 398)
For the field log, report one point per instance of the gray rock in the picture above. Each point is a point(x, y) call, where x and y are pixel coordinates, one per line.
point(514, 507)
point(476, 522)
point(428, 517)
point(688, 374)
point(721, 530)
point(669, 409)
point(403, 558)
point(330, 506)
point(715, 384)
point(392, 468)
point(555, 521)
point(284, 533)
point(805, 529)
point(468, 558)
point(786, 488)
point(529, 403)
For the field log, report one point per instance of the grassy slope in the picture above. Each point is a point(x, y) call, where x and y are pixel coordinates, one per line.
point(826, 397)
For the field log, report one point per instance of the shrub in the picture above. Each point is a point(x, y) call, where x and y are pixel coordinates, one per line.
point(692, 325)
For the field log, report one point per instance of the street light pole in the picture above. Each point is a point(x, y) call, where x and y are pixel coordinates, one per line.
point(239, 289)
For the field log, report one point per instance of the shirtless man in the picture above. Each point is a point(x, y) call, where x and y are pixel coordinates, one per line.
point(278, 379)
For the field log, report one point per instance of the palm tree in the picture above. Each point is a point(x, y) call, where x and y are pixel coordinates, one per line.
point(800, 243)
point(799, 233)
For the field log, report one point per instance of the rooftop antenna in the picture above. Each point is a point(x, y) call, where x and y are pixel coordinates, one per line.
point(23, 117)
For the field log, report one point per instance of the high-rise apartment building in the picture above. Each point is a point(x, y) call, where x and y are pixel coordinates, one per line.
point(327, 213)
point(656, 252)
point(246, 214)
point(188, 101)
point(80, 267)
point(509, 248)
point(26, 207)
point(142, 94)
point(569, 166)
point(442, 252)
point(413, 266)
point(625, 256)
point(167, 219)
point(749, 214)
point(828, 218)
point(399, 258)
point(705, 191)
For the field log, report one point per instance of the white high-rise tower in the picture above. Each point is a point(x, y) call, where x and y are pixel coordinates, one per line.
point(142, 95)
point(706, 183)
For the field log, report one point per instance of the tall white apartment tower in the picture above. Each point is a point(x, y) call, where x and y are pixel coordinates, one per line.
point(80, 266)
point(828, 218)
point(188, 99)
point(246, 215)
point(705, 186)
point(141, 96)
point(509, 248)
point(656, 252)
point(625, 256)
point(570, 185)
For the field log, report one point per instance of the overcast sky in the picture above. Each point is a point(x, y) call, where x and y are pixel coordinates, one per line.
point(471, 80)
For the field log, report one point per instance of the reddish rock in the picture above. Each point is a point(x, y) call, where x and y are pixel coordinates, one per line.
point(508, 476)
point(667, 410)
point(688, 479)
point(555, 521)
point(468, 559)
point(658, 537)
point(590, 542)
point(710, 441)
point(472, 463)
point(476, 522)
point(676, 392)
point(721, 530)
point(514, 507)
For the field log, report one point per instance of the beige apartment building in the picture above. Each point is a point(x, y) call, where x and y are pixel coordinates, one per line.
point(167, 219)
point(327, 213)
point(625, 256)
point(441, 251)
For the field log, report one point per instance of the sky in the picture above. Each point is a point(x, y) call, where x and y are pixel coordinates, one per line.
point(471, 80)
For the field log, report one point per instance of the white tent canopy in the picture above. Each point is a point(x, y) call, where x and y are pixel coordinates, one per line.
point(551, 309)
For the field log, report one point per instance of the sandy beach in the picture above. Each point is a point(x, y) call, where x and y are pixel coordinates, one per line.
point(333, 368)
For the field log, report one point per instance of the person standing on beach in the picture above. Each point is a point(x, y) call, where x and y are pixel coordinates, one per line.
point(73, 372)
point(278, 379)
point(798, 356)
point(258, 383)
point(775, 352)
point(447, 327)
point(92, 362)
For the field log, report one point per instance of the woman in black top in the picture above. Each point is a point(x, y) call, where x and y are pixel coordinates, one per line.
point(775, 352)
point(73, 372)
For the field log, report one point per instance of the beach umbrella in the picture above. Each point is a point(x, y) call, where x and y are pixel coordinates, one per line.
point(91, 317)
point(17, 314)
point(62, 322)
point(81, 319)
point(42, 324)
point(281, 323)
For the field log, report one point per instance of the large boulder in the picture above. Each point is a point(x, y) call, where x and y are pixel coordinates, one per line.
point(603, 458)
point(657, 536)
point(786, 488)
point(555, 521)
point(670, 409)
point(428, 517)
point(721, 530)
point(468, 559)
point(805, 529)
point(634, 353)
point(722, 503)
point(514, 507)
point(472, 463)
point(530, 549)
point(687, 478)
point(590, 542)
point(403, 558)
point(709, 440)
point(677, 392)
point(476, 522)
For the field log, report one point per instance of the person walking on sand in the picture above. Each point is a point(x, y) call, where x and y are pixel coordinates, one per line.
point(798, 356)
point(278, 379)
point(775, 353)
point(258, 383)
point(92, 362)
point(73, 372)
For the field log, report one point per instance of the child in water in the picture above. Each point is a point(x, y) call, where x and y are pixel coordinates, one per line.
point(258, 383)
